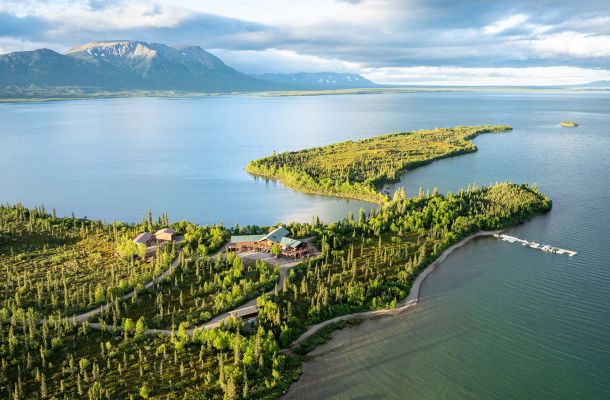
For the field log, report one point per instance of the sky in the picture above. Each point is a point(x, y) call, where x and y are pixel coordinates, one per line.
point(429, 42)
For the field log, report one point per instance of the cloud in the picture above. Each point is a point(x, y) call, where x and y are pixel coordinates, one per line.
point(572, 44)
point(543, 76)
point(362, 36)
point(26, 26)
point(282, 61)
point(505, 24)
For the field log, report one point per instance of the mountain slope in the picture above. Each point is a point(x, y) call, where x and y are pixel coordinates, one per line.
point(46, 67)
point(124, 65)
point(167, 68)
point(321, 80)
point(597, 84)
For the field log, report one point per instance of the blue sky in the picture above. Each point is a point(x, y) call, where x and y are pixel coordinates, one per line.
point(389, 41)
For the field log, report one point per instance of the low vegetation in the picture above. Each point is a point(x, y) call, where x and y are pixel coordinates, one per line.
point(359, 169)
point(366, 263)
point(53, 267)
point(199, 289)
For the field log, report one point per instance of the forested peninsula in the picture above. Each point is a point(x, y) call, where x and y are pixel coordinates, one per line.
point(359, 169)
point(54, 268)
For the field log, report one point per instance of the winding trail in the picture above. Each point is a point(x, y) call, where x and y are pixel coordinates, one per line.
point(79, 318)
point(247, 307)
point(250, 306)
point(408, 302)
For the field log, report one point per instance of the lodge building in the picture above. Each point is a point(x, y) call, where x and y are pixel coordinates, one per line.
point(289, 247)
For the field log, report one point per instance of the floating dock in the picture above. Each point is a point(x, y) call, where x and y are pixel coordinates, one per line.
point(534, 245)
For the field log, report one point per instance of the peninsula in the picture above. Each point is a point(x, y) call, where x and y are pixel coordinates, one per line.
point(359, 169)
point(149, 294)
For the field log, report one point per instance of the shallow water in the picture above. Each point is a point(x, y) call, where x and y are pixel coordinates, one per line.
point(496, 321)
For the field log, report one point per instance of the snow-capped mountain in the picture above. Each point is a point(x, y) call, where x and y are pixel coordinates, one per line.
point(135, 65)
point(164, 67)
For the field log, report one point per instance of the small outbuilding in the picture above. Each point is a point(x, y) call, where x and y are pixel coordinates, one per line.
point(165, 234)
point(145, 238)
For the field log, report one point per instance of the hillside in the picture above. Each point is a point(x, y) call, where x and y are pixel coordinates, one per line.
point(122, 65)
point(321, 80)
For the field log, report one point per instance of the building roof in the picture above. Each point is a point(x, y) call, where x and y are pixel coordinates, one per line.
point(166, 230)
point(277, 234)
point(286, 241)
point(143, 238)
point(246, 238)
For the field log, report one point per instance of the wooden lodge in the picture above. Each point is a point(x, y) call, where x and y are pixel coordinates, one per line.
point(288, 247)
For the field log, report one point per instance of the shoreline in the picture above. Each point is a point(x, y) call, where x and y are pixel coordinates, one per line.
point(295, 93)
point(408, 302)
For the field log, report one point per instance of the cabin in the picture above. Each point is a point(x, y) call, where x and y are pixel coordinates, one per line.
point(165, 235)
point(145, 238)
point(288, 247)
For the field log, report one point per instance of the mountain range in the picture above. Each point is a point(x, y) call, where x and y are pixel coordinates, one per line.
point(320, 80)
point(135, 65)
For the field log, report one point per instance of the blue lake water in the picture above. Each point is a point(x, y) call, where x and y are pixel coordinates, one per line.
point(496, 320)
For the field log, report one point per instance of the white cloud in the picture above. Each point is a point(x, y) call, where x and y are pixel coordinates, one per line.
point(504, 24)
point(276, 12)
point(282, 61)
point(572, 44)
point(541, 76)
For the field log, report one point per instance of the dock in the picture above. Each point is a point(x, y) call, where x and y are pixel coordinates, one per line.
point(537, 246)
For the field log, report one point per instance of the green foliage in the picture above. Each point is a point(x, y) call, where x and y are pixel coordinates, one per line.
point(64, 265)
point(359, 169)
point(130, 250)
point(365, 264)
point(275, 249)
point(198, 290)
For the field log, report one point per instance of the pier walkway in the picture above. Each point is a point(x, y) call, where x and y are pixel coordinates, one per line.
point(534, 245)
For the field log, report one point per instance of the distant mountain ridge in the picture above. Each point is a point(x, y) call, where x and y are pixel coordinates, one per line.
point(597, 84)
point(321, 79)
point(128, 65)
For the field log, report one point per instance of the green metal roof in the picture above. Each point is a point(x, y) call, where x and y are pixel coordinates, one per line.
point(286, 241)
point(246, 238)
point(277, 235)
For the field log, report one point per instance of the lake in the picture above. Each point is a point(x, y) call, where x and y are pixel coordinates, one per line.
point(496, 320)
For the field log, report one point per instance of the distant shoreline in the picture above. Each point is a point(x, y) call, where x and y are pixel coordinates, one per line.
point(293, 93)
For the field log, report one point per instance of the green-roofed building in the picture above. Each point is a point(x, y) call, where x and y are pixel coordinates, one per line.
point(288, 246)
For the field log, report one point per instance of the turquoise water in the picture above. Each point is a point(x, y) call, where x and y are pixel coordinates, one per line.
point(496, 321)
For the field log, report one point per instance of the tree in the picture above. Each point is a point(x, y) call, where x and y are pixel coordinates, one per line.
point(276, 250)
point(128, 327)
point(144, 392)
point(230, 390)
point(140, 328)
point(95, 392)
